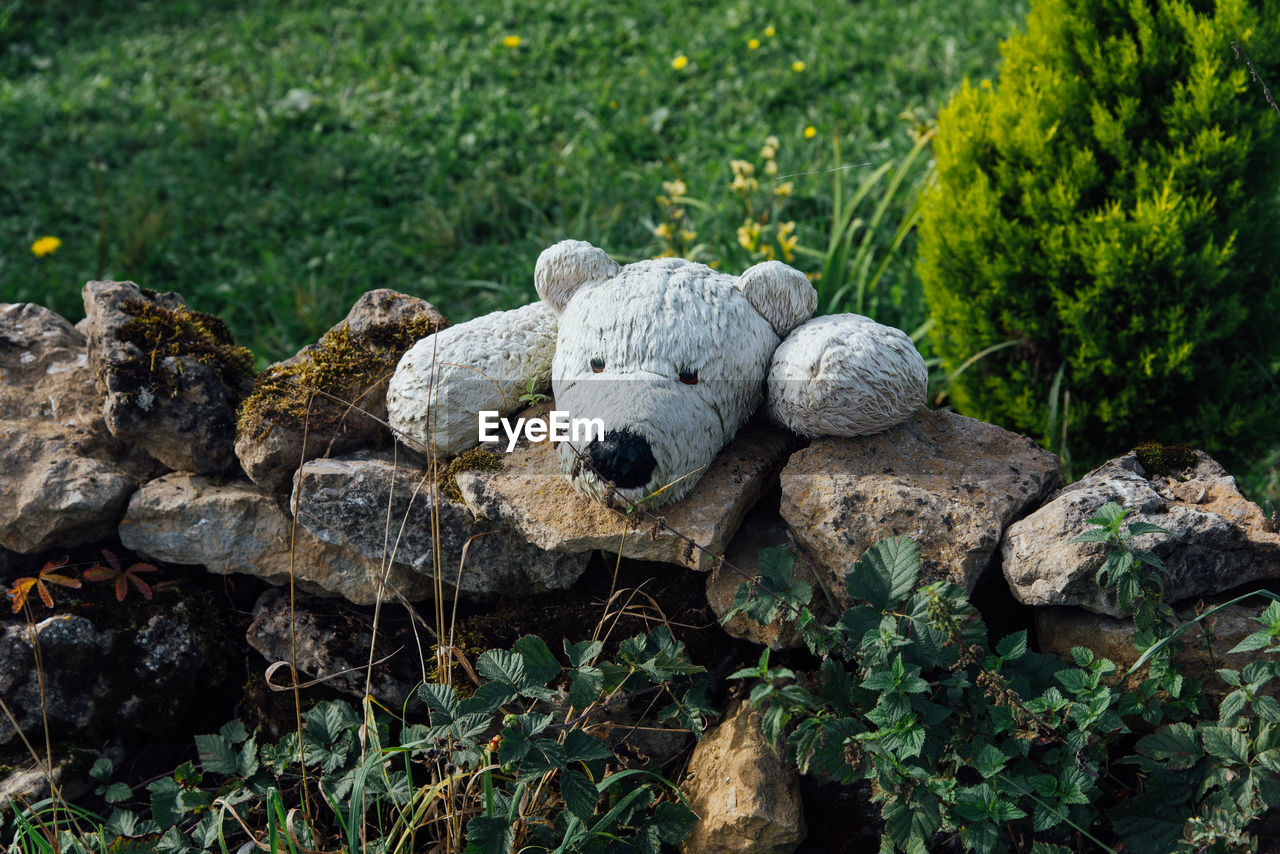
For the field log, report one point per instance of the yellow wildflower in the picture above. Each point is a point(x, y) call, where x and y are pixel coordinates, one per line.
point(663, 231)
point(679, 62)
point(784, 189)
point(742, 167)
point(810, 132)
point(753, 44)
point(688, 236)
point(769, 31)
point(787, 241)
point(770, 149)
point(749, 235)
point(798, 66)
point(771, 167)
point(511, 41)
point(45, 246)
point(675, 189)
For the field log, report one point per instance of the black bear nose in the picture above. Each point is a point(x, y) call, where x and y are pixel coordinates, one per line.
point(623, 458)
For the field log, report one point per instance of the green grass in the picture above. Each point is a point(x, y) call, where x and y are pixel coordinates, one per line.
point(273, 160)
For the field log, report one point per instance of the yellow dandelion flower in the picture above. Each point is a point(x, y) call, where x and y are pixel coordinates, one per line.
point(810, 132)
point(753, 44)
point(798, 66)
point(679, 62)
point(769, 31)
point(511, 41)
point(45, 246)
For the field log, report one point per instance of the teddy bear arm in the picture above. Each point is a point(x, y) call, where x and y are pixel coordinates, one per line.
point(845, 375)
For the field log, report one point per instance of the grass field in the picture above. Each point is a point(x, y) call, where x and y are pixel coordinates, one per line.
point(273, 160)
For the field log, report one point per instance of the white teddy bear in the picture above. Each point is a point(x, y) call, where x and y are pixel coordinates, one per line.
point(671, 356)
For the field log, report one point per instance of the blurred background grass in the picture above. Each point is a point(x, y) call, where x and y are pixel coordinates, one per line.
point(271, 161)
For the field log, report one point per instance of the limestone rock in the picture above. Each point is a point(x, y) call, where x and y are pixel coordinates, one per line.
point(30, 782)
point(172, 377)
point(44, 369)
point(949, 482)
point(237, 526)
point(1218, 540)
point(533, 496)
point(762, 529)
point(747, 796)
point(1059, 629)
point(332, 646)
point(370, 503)
point(72, 652)
point(332, 394)
point(58, 489)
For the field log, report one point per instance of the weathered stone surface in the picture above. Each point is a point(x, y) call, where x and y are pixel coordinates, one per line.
point(44, 369)
point(58, 489)
point(348, 370)
point(949, 482)
point(533, 496)
point(72, 652)
point(230, 527)
point(376, 506)
point(1060, 629)
point(172, 377)
point(762, 529)
point(331, 646)
point(66, 479)
point(30, 782)
point(1219, 538)
point(747, 796)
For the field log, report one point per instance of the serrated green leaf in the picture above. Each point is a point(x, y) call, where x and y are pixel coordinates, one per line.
point(489, 835)
point(1137, 528)
point(539, 664)
point(989, 760)
point(117, 793)
point(102, 769)
point(499, 665)
point(1267, 708)
point(1082, 656)
point(886, 573)
point(1269, 759)
point(1175, 744)
point(674, 821)
point(1232, 705)
point(1231, 677)
point(1225, 743)
point(913, 822)
point(215, 754)
point(441, 700)
point(580, 653)
point(173, 842)
point(1094, 535)
point(488, 699)
point(776, 566)
point(165, 808)
point(1013, 647)
point(585, 686)
point(580, 746)
point(234, 731)
point(579, 793)
point(1252, 643)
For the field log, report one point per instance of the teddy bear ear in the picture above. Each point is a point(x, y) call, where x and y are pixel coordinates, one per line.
point(782, 294)
point(564, 268)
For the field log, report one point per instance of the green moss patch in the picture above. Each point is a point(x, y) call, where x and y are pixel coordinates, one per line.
point(1158, 459)
point(161, 333)
point(343, 370)
point(476, 459)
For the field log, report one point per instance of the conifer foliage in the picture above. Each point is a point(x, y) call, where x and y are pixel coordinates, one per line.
point(1108, 212)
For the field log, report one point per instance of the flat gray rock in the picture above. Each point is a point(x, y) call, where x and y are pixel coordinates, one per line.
point(534, 497)
point(1219, 539)
point(383, 509)
point(949, 482)
point(239, 527)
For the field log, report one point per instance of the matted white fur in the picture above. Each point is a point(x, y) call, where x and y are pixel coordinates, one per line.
point(445, 379)
point(781, 293)
point(642, 328)
point(568, 265)
point(845, 375)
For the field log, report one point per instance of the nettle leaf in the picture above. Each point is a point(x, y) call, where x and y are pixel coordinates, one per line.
point(581, 653)
point(1094, 535)
point(1083, 656)
point(1232, 705)
point(1137, 528)
point(886, 574)
point(539, 663)
point(1013, 647)
point(1176, 745)
point(216, 754)
point(989, 760)
point(1267, 708)
point(1109, 515)
point(1073, 681)
point(915, 821)
point(1226, 744)
point(579, 793)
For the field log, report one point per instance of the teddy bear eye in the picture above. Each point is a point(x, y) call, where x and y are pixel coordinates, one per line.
point(597, 364)
point(688, 376)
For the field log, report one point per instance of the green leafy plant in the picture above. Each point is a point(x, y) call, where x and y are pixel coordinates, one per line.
point(1002, 746)
point(1106, 206)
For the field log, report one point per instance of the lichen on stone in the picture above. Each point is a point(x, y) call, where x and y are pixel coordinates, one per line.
point(1161, 460)
point(477, 459)
point(164, 333)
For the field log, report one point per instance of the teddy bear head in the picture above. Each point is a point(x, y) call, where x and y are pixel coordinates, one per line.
point(670, 355)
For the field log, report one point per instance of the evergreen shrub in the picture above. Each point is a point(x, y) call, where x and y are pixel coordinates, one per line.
point(1108, 214)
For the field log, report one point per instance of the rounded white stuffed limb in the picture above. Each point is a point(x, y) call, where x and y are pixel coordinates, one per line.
point(845, 375)
point(445, 380)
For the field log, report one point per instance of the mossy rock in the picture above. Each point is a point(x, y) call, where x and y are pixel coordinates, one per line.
point(1158, 459)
